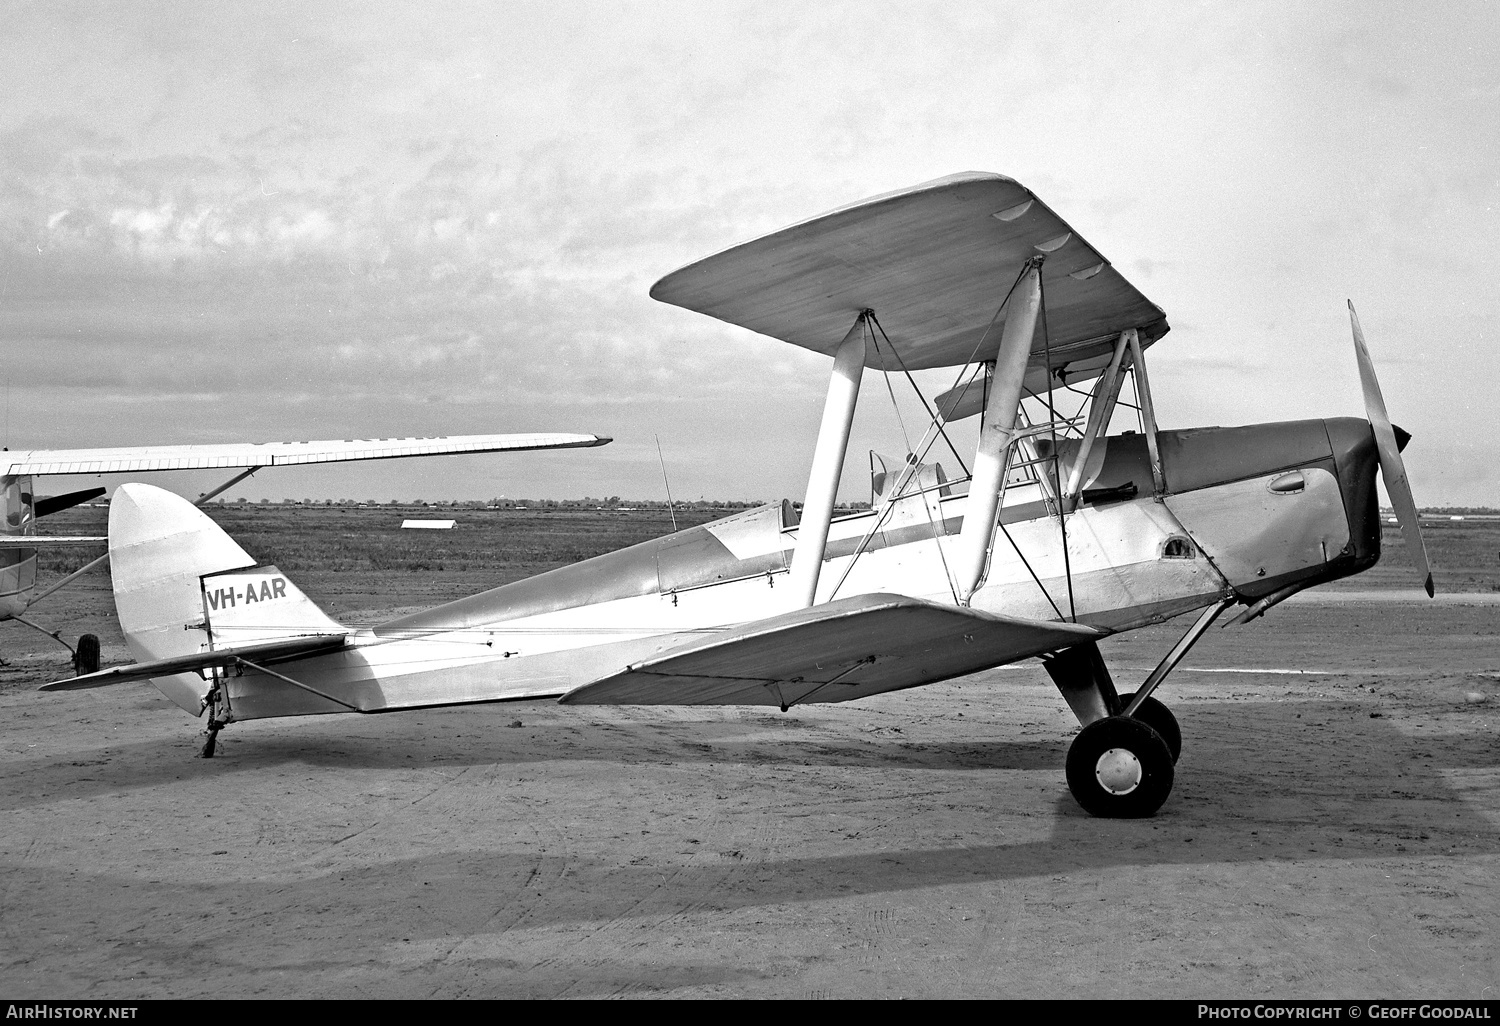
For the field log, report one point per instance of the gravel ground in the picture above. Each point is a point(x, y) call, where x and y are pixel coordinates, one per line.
point(1332, 834)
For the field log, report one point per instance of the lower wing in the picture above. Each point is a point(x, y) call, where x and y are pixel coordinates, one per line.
point(835, 652)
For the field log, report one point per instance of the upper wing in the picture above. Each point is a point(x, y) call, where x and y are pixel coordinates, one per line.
point(140, 458)
point(835, 652)
point(934, 263)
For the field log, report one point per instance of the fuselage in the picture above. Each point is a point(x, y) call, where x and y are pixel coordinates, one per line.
point(1245, 512)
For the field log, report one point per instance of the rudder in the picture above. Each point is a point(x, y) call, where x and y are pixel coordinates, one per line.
point(181, 587)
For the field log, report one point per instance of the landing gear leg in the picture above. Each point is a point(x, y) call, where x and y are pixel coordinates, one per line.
point(57, 637)
point(1122, 763)
point(1171, 659)
point(1080, 674)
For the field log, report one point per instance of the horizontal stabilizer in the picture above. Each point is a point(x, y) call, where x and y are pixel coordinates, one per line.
point(42, 541)
point(223, 658)
point(835, 652)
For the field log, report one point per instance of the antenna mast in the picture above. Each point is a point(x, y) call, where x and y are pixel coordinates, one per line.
point(665, 481)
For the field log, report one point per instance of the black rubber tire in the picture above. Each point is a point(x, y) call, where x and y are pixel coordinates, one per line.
point(86, 655)
point(1160, 719)
point(1135, 738)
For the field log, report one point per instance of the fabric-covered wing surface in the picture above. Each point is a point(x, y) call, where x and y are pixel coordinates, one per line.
point(934, 263)
point(836, 652)
point(141, 458)
point(264, 652)
point(43, 541)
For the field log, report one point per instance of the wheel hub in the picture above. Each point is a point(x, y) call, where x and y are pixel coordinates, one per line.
point(1119, 771)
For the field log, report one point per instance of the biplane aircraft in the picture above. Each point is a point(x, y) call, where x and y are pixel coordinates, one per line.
point(1065, 533)
point(20, 542)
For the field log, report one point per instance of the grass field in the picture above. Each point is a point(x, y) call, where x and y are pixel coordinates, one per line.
point(343, 539)
point(355, 562)
point(501, 545)
point(360, 565)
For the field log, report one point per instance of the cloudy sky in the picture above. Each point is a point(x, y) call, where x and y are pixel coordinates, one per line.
point(258, 221)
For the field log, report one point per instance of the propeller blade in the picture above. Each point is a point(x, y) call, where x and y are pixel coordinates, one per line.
point(1391, 467)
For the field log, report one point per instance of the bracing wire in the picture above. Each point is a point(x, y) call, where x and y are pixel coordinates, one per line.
point(1027, 564)
point(886, 374)
point(906, 481)
point(937, 421)
point(963, 367)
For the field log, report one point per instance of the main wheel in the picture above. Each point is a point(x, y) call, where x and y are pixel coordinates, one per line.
point(1160, 719)
point(86, 655)
point(1120, 768)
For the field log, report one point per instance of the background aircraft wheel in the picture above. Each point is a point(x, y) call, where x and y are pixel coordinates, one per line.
point(1120, 768)
point(1160, 719)
point(86, 655)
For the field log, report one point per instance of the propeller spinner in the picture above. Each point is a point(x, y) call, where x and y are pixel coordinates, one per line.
point(1391, 467)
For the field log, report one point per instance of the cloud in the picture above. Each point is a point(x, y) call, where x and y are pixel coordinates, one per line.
point(400, 219)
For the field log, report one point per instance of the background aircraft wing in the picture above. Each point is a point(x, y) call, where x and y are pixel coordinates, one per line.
point(43, 541)
point(141, 458)
point(934, 263)
point(836, 652)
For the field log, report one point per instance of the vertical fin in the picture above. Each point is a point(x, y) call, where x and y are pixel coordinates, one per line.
point(161, 547)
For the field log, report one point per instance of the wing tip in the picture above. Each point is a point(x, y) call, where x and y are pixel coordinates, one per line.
point(99, 679)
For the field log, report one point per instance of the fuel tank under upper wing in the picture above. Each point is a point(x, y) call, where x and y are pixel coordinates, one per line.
point(835, 652)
